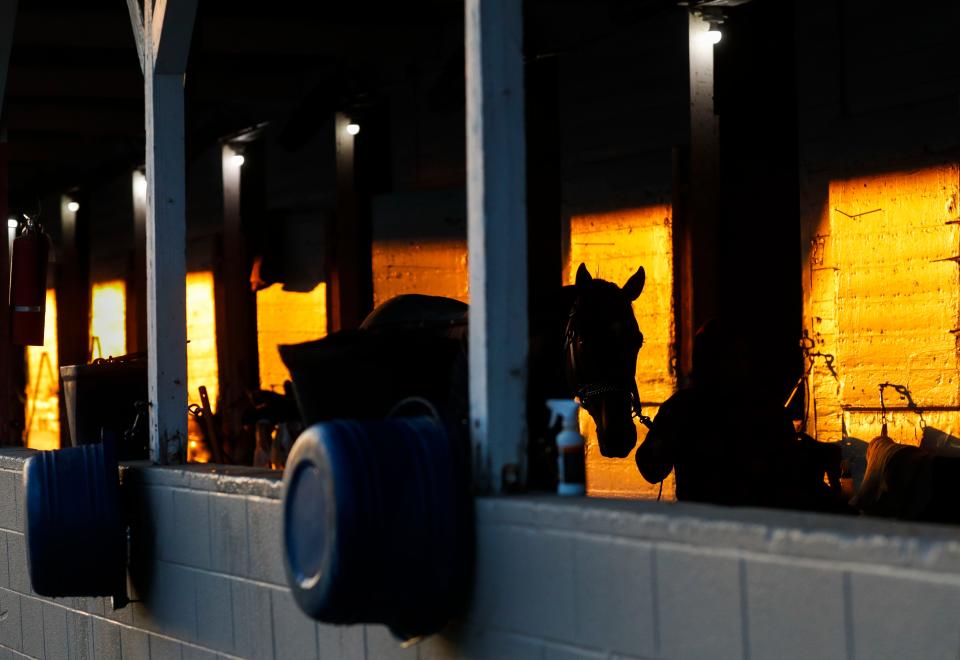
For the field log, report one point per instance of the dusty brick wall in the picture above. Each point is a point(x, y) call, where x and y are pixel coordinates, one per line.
point(286, 317)
point(420, 245)
point(878, 131)
point(884, 299)
point(555, 578)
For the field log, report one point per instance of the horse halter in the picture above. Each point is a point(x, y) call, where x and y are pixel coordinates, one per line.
point(590, 391)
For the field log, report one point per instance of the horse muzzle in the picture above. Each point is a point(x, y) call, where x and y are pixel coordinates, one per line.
point(616, 432)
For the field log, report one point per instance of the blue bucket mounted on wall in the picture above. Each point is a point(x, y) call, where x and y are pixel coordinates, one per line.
point(378, 524)
point(74, 531)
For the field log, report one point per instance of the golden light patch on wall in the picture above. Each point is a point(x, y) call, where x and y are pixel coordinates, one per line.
point(286, 317)
point(202, 366)
point(613, 245)
point(885, 295)
point(108, 314)
point(43, 385)
point(429, 267)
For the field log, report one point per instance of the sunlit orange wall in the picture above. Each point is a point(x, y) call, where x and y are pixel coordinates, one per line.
point(883, 296)
point(108, 308)
point(43, 385)
point(437, 268)
point(202, 338)
point(202, 366)
point(108, 331)
point(286, 317)
point(613, 245)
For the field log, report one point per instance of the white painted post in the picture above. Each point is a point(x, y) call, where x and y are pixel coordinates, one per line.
point(8, 12)
point(497, 239)
point(702, 219)
point(163, 39)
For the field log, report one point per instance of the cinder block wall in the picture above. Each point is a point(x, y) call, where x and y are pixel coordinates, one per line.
point(556, 578)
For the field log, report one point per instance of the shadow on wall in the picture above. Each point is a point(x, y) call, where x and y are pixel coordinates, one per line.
point(940, 442)
point(160, 548)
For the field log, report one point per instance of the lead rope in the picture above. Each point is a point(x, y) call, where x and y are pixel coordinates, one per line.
point(646, 421)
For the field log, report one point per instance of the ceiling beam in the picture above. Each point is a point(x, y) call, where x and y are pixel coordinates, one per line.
point(74, 118)
point(47, 82)
point(72, 28)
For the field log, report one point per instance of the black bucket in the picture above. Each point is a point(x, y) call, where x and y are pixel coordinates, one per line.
point(378, 524)
point(103, 397)
point(75, 538)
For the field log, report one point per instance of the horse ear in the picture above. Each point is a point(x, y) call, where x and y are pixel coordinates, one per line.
point(634, 286)
point(583, 275)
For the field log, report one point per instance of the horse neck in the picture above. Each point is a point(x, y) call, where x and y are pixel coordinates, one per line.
point(548, 324)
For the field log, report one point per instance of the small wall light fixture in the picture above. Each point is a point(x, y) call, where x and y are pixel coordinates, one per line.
point(712, 14)
point(713, 35)
point(236, 160)
point(73, 206)
point(12, 222)
point(353, 128)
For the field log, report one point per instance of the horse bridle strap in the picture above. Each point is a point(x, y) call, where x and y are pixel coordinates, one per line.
point(590, 391)
point(586, 392)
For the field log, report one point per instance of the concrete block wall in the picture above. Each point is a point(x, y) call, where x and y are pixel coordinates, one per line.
point(555, 578)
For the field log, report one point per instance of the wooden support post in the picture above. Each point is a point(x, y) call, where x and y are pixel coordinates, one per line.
point(8, 434)
point(8, 14)
point(236, 309)
point(497, 240)
point(544, 213)
point(350, 287)
point(137, 292)
point(7, 352)
point(72, 281)
point(162, 34)
point(701, 221)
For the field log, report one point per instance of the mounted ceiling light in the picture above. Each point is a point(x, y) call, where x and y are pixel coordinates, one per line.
point(714, 17)
point(713, 35)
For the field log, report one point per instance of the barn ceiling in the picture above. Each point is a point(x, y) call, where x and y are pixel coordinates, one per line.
point(74, 103)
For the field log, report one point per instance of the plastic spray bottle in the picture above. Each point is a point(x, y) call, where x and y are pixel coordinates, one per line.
point(571, 466)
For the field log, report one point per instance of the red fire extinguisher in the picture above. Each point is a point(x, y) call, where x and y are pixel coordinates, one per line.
point(28, 284)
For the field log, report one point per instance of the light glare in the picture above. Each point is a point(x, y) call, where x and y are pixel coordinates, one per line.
point(712, 36)
point(140, 185)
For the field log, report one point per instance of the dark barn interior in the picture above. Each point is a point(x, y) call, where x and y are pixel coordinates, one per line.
point(479, 329)
point(709, 172)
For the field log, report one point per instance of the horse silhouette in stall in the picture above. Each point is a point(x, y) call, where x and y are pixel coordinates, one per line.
point(584, 342)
